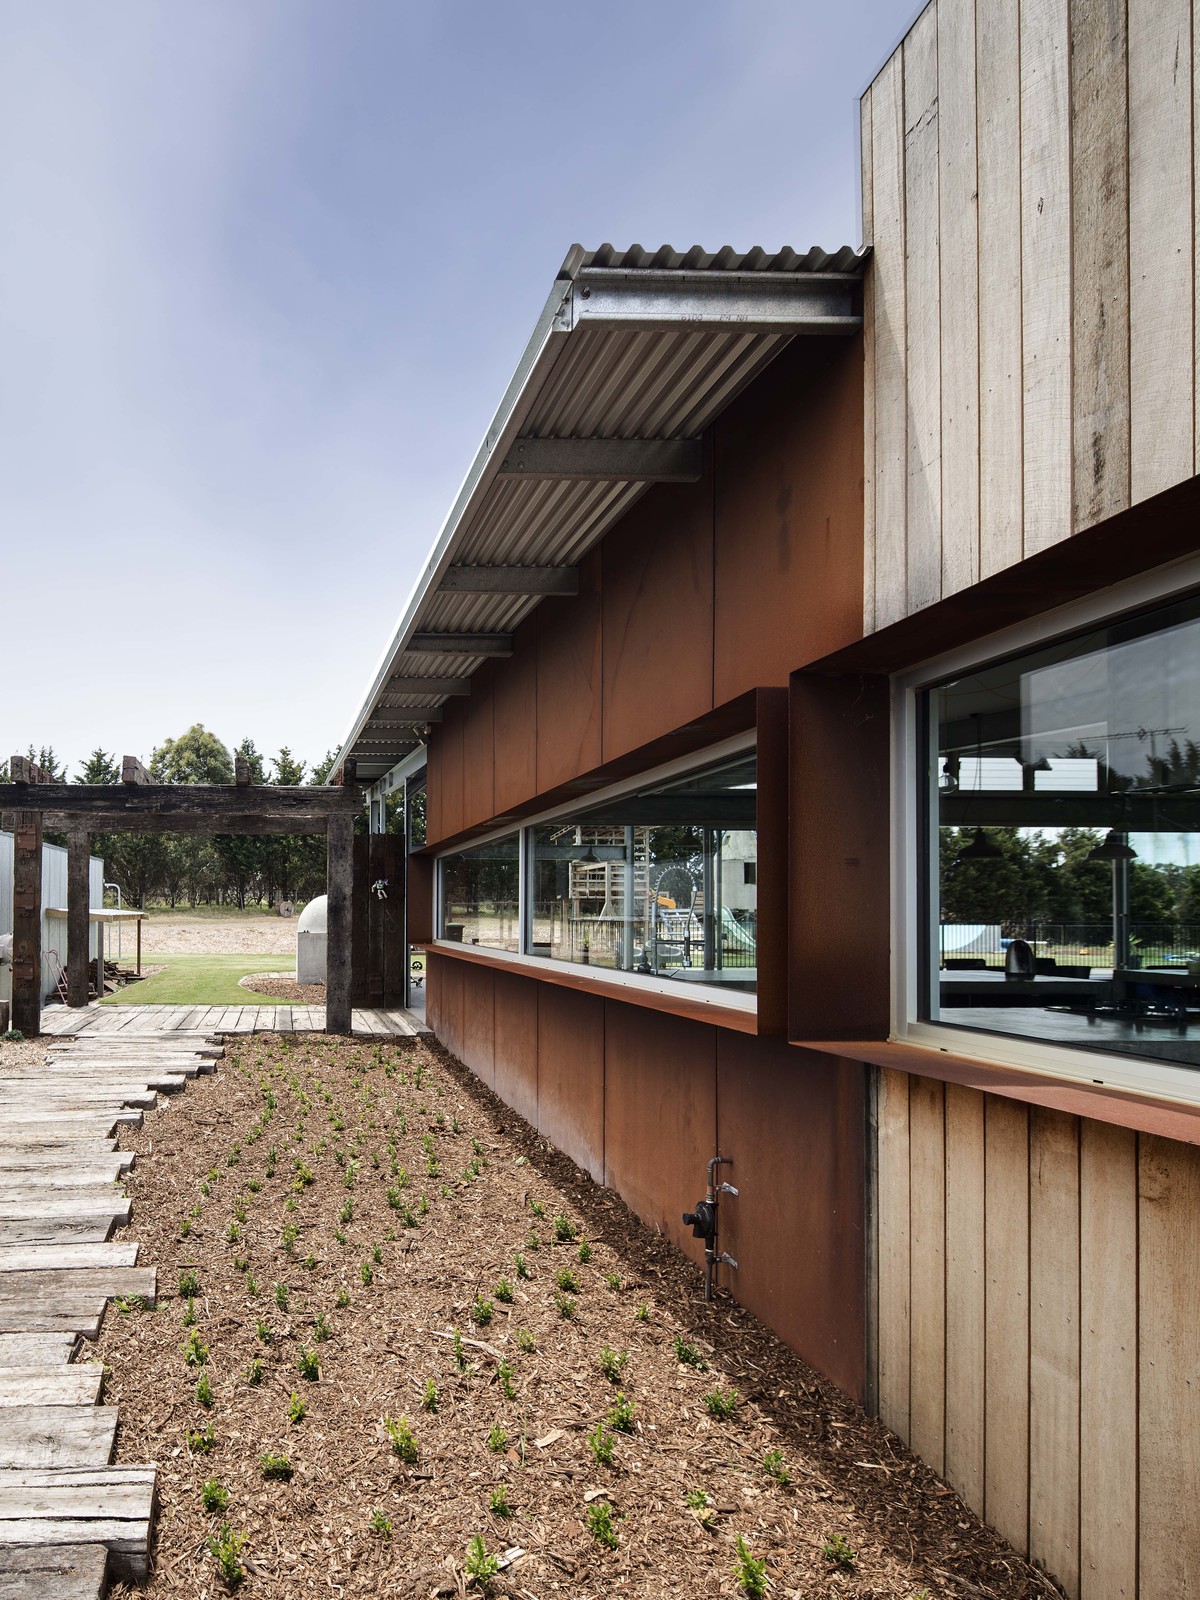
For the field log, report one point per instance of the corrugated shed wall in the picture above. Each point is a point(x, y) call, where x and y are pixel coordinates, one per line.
point(54, 893)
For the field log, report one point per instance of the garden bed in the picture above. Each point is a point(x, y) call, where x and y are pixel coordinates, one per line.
point(344, 1208)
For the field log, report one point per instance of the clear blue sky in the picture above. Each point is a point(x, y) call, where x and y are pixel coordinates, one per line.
point(265, 269)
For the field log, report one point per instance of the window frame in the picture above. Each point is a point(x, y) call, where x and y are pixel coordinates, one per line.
point(914, 820)
point(706, 995)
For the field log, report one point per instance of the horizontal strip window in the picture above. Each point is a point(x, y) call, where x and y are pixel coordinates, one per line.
point(1058, 859)
point(658, 883)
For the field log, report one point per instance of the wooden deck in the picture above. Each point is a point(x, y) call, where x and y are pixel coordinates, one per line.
point(69, 1519)
point(143, 1021)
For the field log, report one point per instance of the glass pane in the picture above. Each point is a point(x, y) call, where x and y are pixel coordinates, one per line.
point(1066, 810)
point(480, 892)
point(662, 882)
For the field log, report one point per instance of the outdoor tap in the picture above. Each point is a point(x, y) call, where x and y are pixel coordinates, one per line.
point(703, 1222)
point(724, 1259)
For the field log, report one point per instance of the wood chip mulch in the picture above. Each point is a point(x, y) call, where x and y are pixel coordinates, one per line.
point(355, 1204)
point(285, 991)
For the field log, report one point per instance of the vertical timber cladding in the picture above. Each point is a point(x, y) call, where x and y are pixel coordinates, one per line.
point(1039, 1328)
point(377, 926)
point(1030, 305)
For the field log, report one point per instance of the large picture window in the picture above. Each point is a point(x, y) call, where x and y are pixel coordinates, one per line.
point(659, 882)
point(1062, 876)
point(480, 895)
point(654, 882)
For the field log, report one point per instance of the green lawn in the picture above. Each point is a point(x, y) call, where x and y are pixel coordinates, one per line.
point(200, 980)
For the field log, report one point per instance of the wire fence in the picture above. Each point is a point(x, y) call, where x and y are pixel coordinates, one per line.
point(1073, 944)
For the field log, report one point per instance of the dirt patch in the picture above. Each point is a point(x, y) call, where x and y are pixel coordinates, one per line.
point(396, 1200)
point(178, 934)
point(18, 1054)
point(286, 990)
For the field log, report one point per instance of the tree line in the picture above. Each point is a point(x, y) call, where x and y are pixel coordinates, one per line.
point(204, 869)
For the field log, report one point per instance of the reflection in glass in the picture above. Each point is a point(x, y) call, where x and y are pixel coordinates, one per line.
point(662, 882)
point(480, 895)
point(1065, 790)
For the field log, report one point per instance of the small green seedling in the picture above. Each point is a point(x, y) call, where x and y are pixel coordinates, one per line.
point(773, 1466)
point(643, 1312)
point(343, 1299)
point(189, 1314)
point(698, 1502)
point(567, 1281)
point(214, 1494)
point(621, 1415)
point(504, 1375)
point(233, 1233)
point(584, 1253)
point(566, 1306)
point(404, 1440)
point(367, 1274)
point(276, 1467)
point(480, 1568)
point(499, 1503)
point(321, 1329)
point(380, 1525)
point(309, 1263)
point(612, 1363)
point(189, 1283)
point(600, 1443)
point(309, 1364)
point(721, 1403)
point(481, 1312)
point(263, 1329)
point(526, 1341)
point(254, 1372)
point(533, 1242)
point(564, 1229)
point(281, 1296)
point(226, 1548)
point(688, 1356)
point(195, 1353)
point(460, 1358)
point(204, 1393)
point(202, 1440)
point(838, 1550)
point(612, 1280)
point(522, 1268)
point(600, 1521)
point(297, 1410)
point(537, 1208)
point(498, 1437)
point(430, 1402)
point(241, 1263)
point(251, 1285)
point(750, 1571)
point(504, 1292)
point(346, 1214)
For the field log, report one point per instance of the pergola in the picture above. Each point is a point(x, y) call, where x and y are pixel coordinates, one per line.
point(136, 805)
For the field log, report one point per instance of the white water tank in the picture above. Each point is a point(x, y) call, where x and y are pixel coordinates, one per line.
point(310, 941)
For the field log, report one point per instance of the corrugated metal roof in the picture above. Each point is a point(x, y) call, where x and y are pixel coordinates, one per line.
point(632, 345)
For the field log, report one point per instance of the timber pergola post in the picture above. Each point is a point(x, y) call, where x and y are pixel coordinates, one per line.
point(137, 806)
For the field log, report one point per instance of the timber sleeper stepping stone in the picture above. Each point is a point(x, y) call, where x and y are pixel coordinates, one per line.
point(53, 1571)
point(81, 1206)
point(43, 1257)
point(77, 1385)
point(84, 1228)
point(112, 1507)
point(35, 1349)
point(69, 1283)
point(55, 1436)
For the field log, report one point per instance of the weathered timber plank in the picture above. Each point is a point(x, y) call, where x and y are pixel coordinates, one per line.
point(54, 1436)
point(964, 1292)
point(867, 164)
point(86, 1229)
point(63, 1316)
point(927, 1179)
point(56, 1284)
point(77, 1385)
point(1006, 1233)
point(891, 341)
point(45, 1257)
point(53, 1571)
point(81, 1208)
point(35, 1349)
point(894, 1252)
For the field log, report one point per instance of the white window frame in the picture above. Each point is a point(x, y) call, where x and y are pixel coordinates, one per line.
point(671, 988)
point(1138, 1074)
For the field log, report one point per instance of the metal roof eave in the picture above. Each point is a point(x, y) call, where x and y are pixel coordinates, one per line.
point(750, 298)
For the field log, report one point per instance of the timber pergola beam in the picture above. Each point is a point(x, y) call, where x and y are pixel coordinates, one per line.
point(612, 460)
point(137, 806)
point(510, 580)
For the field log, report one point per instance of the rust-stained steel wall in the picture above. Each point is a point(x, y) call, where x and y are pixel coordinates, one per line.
point(642, 1100)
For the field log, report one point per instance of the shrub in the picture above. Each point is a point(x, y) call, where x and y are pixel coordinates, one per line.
point(613, 1280)
point(773, 1466)
point(499, 1505)
point(254, 1373)
point(721, 1403)
point(202, 1440)
point(838, 1549)
point(297, 1410)
point(564, 1229)
point(367, 1274)
point(749, 1570)
point(525, 1340)
point(308, 1363)
point(204, 1394)
point(189, 1283)
point(612, 1363)
point(522, 1268)
point(600, 1521)
point(688, 1356)
point(504, 1374)
point(566, 1306)
point(600, 1443)
point(381, 1525)
point(584, 1253)
point(481, 1312)
point(225, 1547)
point(214, 1495)
point(404, 1440)
point(504, 1292)
point(195, 1353)
point(275, 1466)
point(430, 1402)
point(480, 1568)
point(621, 1415)
point(281, 1296)
point(567, 1281)
point(263, 1329)
point(498, 1437)
point(321, 1329)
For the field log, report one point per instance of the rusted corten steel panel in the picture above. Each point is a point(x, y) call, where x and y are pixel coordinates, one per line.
point(839, 933)
point(571, 1075)
point(789, 516)
point(449, 737)
point(794, 1123)
point(514, 711)
point(568, 681)
point(444, 1001)
point(771, 821)
point(479, 1022)
point(660, 1114)
point(479, 753)
point(658, 614)
point(433, 789)
point(516, 1008)
point(419, 906)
